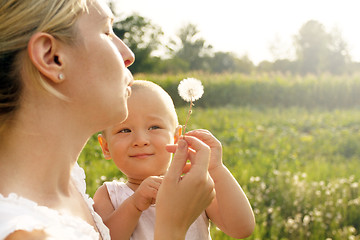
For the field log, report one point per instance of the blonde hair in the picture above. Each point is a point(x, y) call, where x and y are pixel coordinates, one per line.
point(20, 19)
point(144, 84)
point(148, 85)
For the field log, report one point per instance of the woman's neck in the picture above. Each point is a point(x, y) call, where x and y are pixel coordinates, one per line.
point(36, 159)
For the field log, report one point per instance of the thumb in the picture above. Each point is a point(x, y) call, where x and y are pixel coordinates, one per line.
point(186, 168)
point(178, 162)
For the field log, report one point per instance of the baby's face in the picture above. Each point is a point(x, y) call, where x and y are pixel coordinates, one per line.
point(137, 145)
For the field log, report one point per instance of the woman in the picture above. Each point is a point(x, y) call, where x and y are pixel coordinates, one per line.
point(64, 77)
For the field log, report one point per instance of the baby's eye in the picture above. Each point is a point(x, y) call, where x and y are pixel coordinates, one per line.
point(125, 130)
point(154, 127)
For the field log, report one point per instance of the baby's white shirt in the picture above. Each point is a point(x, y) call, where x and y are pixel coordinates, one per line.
point(119, 192)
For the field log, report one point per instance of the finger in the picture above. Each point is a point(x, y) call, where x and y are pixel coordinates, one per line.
point(154, 181)
point(157, 179)
point(171, 148)
point(178, 162)
point(187, 167)
point(200, 159)
point(197, 130)
point(154, 192)
point(205, 136)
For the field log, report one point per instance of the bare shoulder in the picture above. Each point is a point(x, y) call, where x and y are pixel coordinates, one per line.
point(101, 194)
point(25, 235)
point(102, 202)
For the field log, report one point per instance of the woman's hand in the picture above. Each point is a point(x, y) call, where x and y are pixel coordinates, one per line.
point(182, 198)
point(215, 146)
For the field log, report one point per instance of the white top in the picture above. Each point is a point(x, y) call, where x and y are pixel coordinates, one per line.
point(18, 213)
point(119, 191)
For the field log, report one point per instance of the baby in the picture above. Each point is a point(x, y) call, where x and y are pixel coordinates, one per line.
point(140, 147)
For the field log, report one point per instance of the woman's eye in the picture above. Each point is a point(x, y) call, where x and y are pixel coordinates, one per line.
point(154, 128)
point(109, 34)
point(125, 130)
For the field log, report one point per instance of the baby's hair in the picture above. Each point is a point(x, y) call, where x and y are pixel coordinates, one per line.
point(145, 84)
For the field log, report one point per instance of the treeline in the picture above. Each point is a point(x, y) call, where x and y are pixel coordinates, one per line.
point(317, 51)
point(268, 90)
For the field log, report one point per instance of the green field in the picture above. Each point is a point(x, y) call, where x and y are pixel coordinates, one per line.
point(299, 166)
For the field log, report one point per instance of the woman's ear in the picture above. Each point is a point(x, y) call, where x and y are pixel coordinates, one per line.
point(178, 132)
point(43, 50)
point(104, 146)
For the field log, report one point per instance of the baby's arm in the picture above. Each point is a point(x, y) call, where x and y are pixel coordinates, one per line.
point(122, 221)
point(230, 210)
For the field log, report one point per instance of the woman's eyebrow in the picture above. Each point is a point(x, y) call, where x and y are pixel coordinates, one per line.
point(107, 18)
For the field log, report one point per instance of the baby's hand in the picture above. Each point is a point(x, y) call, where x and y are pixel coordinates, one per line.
point(213, 143)
point(146, 193)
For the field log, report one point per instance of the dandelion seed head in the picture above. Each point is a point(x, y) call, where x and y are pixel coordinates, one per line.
point(190, 89)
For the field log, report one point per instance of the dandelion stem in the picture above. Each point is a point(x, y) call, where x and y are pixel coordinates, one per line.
point(188, 116)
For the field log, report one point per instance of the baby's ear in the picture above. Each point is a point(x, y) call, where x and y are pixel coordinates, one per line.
point(178, 132)
point(104, 146)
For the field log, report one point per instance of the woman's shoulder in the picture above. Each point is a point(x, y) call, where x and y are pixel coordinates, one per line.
point(19, 215)
point(78, 176)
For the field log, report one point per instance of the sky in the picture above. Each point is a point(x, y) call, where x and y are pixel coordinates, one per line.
point(251, 27)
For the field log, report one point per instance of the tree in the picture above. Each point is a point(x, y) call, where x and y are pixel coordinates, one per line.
point(222, 62)
point(312, 43)
point(319, 51)
point(142, 37)
point(285, 66)
point(190, 47)
point(339, 57)
point(265, 66)
point(244, 65)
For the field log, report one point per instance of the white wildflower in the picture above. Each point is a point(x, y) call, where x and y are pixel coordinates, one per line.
point(190, 89)
point(352, 229)
point(254, 179)
point(306, 220)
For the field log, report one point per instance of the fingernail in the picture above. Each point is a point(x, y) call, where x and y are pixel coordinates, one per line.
point(181, 144)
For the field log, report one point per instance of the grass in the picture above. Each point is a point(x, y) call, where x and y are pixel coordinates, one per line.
point(300, 168)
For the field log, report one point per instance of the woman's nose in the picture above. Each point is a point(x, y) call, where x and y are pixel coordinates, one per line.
point(126, 53)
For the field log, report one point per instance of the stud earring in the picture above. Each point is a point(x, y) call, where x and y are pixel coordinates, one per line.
point(61, 76)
